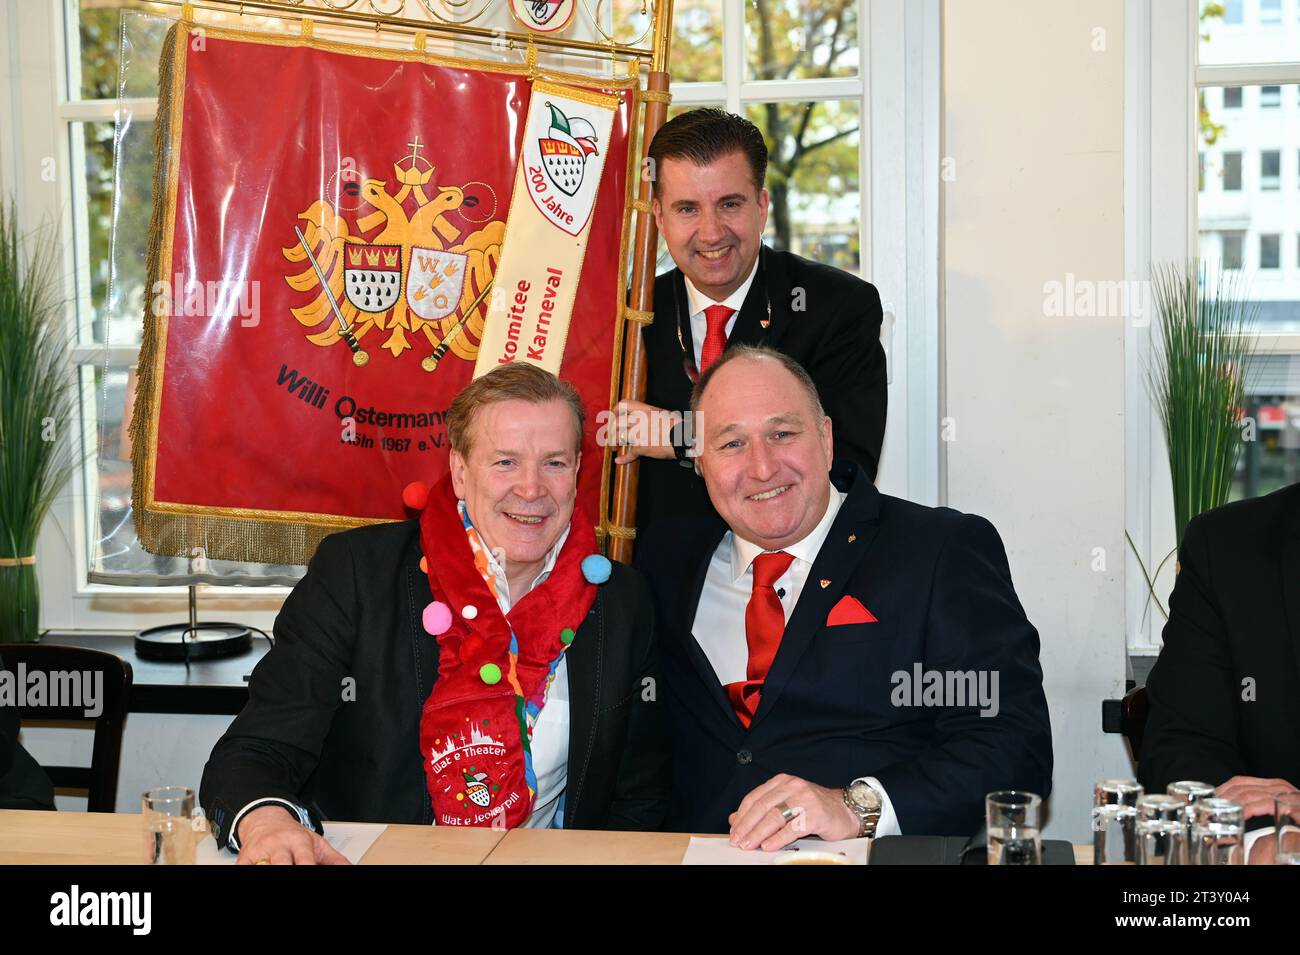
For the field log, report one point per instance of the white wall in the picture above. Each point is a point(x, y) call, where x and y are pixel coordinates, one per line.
point(1034, 124)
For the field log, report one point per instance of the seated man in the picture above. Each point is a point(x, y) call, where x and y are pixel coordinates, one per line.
point(402, 688)
point(838, 662)
point(1224, 694)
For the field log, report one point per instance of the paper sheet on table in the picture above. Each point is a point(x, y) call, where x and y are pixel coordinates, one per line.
point(706, 851)
point(353, 839)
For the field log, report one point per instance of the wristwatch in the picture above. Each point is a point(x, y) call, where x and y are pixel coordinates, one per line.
point(866, 803)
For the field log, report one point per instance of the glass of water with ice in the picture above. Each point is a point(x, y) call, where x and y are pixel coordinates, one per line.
point(170, 825)
point(1114, 822)
point(1013, 819)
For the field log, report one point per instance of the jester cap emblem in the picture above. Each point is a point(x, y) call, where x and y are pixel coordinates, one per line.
point(565, 149)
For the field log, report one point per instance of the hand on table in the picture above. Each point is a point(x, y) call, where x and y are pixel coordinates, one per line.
point(273, 835)
point(1255, 795)
point(642, 430)
point(759, 824)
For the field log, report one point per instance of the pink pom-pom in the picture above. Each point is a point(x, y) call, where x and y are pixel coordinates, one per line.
point(437, 618)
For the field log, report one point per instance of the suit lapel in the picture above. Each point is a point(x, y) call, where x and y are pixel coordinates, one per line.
point(583, 658)
point(850, 536)
point(749, 328)
point(686, 608)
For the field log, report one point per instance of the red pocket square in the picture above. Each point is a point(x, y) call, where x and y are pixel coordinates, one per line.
point(849, 610)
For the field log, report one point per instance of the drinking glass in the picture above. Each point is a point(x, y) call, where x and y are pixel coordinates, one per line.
point(1217, 833)
point(170, 823)
point(1189, 790)
point(1161, 830)
point(1014, 819)
point(1286, 817)
point(1114, 822)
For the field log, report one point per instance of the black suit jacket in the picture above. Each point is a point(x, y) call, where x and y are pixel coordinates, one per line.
point(822, 317)
point(23, 784)
point(1234, 616)
point(357, 615)
point(939, 585)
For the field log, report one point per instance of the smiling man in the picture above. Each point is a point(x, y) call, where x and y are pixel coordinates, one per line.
point(790, 623)
point(476, 666)
point(729, 289)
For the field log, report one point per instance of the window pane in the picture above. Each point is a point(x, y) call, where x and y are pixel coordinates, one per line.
point(1270, 97)
point(697, 41)
point(812, 178)
point(120, 321)
point(1232, 97)
point(1269, 251)
point(1233, 31)
point(1272, 460)
point(94, 59)
point(798, 39)
point(1232, 172)
point(1270, 170)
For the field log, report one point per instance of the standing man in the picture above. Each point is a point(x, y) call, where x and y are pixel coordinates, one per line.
point(711, 208)
point(838, 662)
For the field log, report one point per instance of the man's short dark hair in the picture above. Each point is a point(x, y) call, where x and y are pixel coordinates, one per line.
point(707, 134)
point(758, 353)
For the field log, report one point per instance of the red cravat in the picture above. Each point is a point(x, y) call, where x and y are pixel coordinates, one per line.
point(715, 338)
point(764, 625)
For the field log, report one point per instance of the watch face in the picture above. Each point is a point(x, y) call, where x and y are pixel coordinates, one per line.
point(864, 796)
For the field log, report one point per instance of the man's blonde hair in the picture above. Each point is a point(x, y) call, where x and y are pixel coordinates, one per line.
point(515, 381)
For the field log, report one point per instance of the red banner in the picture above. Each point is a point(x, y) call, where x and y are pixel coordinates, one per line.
point(328, 220)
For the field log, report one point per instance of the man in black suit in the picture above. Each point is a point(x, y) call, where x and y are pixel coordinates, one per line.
point(728, 288)
point(1224, 694)
point(355, 712)
point(838, 662)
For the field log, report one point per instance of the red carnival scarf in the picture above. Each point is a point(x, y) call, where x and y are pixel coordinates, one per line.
point(493, 669)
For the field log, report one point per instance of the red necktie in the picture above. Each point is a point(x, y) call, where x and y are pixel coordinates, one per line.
point(764, 625)
point(715, 338)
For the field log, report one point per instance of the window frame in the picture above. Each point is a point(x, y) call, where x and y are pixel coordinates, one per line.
point(1163, 80)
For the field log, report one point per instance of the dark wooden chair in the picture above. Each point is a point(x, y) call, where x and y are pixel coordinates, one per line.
point(1133, 719)
point(100, 778)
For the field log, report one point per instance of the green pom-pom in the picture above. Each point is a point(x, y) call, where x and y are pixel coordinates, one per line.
point(566, 636)
point(490, 673)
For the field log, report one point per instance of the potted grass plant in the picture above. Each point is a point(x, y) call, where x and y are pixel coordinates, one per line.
point(35, 413)
point(1197, 382)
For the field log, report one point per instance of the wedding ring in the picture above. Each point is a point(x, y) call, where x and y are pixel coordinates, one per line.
point(786, 812)
point(262, 862)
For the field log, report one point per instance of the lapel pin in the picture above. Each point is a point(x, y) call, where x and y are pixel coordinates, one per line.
point(764, 322)
point(852, 538)
point(825, 583)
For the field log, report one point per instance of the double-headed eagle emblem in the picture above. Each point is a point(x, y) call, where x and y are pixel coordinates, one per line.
point(421, 276)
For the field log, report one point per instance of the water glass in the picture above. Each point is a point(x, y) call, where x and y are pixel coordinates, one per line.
point(1014, 819)
point(1114, 822)
point(1189, 791)
point(1161, 830)
point(1218, 833)
point(170, 824)
point(1286, 818)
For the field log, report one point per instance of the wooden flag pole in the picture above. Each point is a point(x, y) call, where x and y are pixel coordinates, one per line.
point(622, 526)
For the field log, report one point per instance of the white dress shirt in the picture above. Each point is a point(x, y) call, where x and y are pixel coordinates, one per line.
point(697, 302)
point(719, 626)
point(550, 744)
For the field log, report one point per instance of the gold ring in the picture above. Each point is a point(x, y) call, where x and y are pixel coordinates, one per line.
point(262, 862)
point(786, 812)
